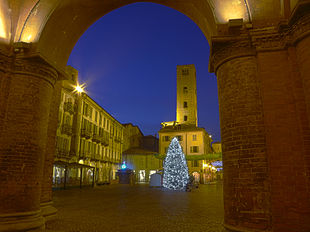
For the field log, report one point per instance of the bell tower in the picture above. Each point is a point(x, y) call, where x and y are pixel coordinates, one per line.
point(186, 95)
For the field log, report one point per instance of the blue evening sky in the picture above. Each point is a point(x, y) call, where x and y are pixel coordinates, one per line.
point(128, 61)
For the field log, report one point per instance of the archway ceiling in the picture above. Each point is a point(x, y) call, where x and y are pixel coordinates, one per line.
point(54, 26)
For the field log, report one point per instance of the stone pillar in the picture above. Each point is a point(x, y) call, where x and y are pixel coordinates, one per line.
point(301, 38)
point(48, 211)
point(246, 179)
point(26, 87)
point(282, 56)
point(264, 97)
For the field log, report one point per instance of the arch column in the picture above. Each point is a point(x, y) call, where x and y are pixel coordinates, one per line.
point(26, 86)
point(46, 202)
point(246, 178)
point(264, 81)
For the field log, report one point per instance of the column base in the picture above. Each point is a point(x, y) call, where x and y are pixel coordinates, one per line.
point(27, 221)
point(230, 228)
point(48, 211)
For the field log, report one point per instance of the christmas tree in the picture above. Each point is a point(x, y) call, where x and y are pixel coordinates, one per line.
point(175, 167)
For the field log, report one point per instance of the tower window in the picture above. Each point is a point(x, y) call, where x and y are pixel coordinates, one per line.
point(185, 72)
point(185, 90)
point(194, 137)
point(185, 118)
point(185, 104)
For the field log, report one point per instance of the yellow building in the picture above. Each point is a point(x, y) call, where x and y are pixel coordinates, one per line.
point(89, 139)
point(195, 141)
point(139, 153)
point(217, 147)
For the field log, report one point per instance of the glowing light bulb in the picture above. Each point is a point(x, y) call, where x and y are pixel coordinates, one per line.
point(2, 28)
point(29, 38)
point(79, 89)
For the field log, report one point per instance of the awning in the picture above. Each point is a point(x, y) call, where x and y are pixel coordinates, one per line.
point(73, 165)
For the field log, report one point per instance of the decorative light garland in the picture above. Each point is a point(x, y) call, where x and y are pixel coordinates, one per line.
point(175, 167)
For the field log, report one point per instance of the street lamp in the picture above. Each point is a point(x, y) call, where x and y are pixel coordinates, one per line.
point(79, 88)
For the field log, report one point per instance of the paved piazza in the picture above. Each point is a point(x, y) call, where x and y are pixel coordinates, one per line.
point(138, 208)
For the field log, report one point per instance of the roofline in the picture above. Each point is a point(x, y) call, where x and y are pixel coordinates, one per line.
point(101, 107)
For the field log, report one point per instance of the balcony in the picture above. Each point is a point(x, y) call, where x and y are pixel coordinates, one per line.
point(86, 133)
point(97, 156)
point(85, 154)
point(96, 138)
point(62, 153)
point(67, 129)
point(68, 107)
point(104, 139)
point(118, 139)
point(92, 157)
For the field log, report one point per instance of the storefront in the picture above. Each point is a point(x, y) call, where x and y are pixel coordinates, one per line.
point(66, 175)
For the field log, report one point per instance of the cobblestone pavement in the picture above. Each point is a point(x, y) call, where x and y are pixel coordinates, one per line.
point(138, 208)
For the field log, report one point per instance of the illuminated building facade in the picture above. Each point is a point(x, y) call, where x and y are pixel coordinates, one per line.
point(88, 141)
point(139, 153)
point(195, 141)
point(217, 147)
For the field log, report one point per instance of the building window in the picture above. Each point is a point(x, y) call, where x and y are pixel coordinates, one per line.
point(166, 138)
point(90, 114)
point(179, 137)
point(185, 104)
point(194, 149)
point(185, 118)
point(185, 90)
point(185, 72)
point(166, 150)
point(68, 120)
point(85, 109)
point(194, 137)
point(195, 163)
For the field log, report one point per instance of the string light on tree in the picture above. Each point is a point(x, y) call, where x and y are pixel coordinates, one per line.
point(175, 167)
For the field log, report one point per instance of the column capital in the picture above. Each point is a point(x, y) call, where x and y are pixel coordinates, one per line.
point(5, 61)
point(247, 42)
point(225, 48)
point(36, 67)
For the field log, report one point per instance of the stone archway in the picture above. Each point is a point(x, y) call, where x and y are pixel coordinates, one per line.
point(261, 63)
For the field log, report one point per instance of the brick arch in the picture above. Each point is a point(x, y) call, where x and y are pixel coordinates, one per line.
point(263, 79)
point(63, 23)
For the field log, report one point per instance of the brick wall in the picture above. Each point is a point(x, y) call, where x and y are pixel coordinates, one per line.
point(23, 138)
point(285, 118)
point(46, 192)
point(246, 180)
